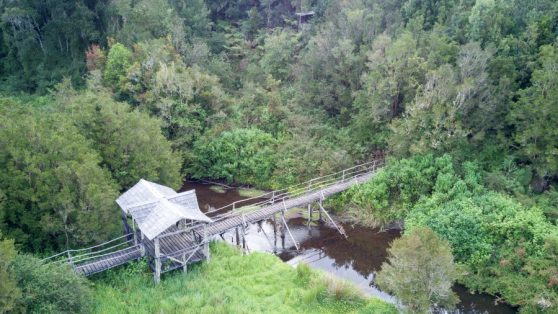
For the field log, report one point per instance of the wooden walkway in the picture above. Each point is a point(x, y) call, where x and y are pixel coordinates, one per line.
point(265, 212)
point(187, 245)
point(108, 261)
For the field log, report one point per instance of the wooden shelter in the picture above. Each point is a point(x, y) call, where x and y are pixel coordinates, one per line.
point(160, 214)
point(303, 17)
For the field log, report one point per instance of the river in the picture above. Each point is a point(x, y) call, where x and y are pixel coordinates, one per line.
point(356, 258)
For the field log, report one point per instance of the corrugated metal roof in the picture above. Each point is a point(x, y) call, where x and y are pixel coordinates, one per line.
point(156, 207)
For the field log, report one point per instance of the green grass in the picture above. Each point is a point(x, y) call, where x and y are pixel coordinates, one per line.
point(231, 283)
point(249, 193)
point(217, 189)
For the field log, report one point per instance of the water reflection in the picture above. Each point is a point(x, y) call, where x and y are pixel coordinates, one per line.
point(356, 258)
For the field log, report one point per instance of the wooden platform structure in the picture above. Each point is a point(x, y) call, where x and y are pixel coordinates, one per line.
point(172, 232)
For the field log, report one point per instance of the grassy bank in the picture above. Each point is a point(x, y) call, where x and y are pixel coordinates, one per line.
point(231, 283)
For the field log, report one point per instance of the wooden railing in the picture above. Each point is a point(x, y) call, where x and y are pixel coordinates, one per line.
point(79, 256)
point(269, 198)
point(241, 207)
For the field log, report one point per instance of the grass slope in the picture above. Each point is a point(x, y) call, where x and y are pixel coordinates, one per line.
point(231, 283)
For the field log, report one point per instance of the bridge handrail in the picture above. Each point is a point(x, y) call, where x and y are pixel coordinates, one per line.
point(300, 186)
point(299, 189)
point(271, 197)
point(101, 255)
point(288, 195)
point(69, 251)
point(90, 255)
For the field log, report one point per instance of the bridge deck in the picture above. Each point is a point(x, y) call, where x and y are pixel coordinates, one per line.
point(268, 211)
point(181, 243)
point(109, 261)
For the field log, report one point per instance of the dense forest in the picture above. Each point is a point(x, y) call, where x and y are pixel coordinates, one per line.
point(460, 95)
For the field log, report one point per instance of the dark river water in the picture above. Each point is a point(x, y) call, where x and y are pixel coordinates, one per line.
point(356, 258)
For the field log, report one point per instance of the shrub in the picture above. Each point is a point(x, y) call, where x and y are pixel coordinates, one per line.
point(50, 288)
point(420, 271)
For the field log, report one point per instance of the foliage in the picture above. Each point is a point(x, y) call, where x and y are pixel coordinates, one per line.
point(44, 41)
point(257, 282)
point(474, 79)
point(499, 241)
point(161, 84)
point(117, 64)
point(129, 142)
point(535, 113)
point(241, 155)
point(9, 291)
point(420, 271)
point(395, 70)
point(50, 288)
point(57, 194)
point(392, 192)
point(144, 20)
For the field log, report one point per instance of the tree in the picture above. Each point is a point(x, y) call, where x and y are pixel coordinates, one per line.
point(240, 155)
point(420, 271)
point(46, 39)
point(118, 62)
point(395, 70)
point(57, 194)
point(130, 142)
point(278, 51)
point(195, 15)
point(535, 114)
point(147, 19)
point(159, 83)
point(9, 292)
point(452, 107)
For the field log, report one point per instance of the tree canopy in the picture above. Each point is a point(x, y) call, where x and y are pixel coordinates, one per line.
point(461, 95)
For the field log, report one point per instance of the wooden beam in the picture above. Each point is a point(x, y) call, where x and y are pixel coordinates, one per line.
point(288, 230)
point(157, 277)
point(206, 243)
point(340, 229)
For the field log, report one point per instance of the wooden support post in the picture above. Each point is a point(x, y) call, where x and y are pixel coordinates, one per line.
point(134, 231)
point(70, 260)
point(142, 250)
point(125, 226)
point(157, 277)
point(309, 214)
point(185, 264)
point(338, 227)
point(259, 223)
point(288, 230)
point(282, 230)
point(142, 246)
point(320, 212)
point(206, 243)
point(243, 237)
point(274, 233)
point(237, 237)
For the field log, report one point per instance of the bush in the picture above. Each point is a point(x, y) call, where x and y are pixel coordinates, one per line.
point(420, 271)
point(9, 292)
point(396, 188)
point(50, 288)
point(239, 156)
point(118, 62)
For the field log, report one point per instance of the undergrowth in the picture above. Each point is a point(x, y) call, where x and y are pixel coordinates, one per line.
point(231, 283)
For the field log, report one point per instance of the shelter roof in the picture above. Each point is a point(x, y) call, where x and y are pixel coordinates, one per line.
point(156, 207)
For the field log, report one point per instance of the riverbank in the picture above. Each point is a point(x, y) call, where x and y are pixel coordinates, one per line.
point(356, 258)
point(231, 283)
